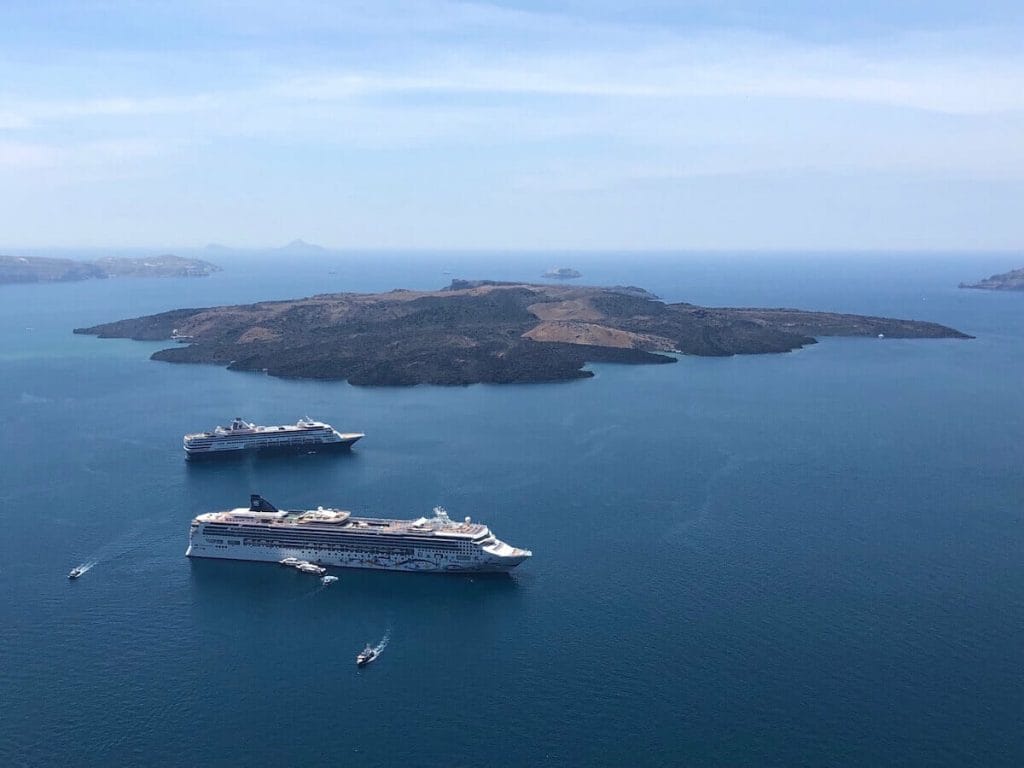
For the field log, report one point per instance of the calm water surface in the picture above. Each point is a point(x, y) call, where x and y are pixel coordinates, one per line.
point(801, 559)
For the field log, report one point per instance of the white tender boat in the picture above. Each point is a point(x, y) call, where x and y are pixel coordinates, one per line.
point(368, 654)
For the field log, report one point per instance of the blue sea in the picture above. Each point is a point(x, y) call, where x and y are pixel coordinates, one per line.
point(807, 559)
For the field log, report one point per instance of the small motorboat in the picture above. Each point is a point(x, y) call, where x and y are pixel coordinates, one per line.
point(76, 572)
point(310, 568)
point(368, 655)
point(291, 561)
point(325, 580)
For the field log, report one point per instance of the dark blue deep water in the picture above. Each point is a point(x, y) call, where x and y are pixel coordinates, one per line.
point(814, 558)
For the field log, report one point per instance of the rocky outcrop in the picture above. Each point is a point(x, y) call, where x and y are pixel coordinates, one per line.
point(1007, 281)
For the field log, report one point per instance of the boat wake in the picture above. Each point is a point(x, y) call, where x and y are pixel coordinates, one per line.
point(379, 647)
point(717, 478)
point(80, 570)
point(325, 582)
point(127, 544)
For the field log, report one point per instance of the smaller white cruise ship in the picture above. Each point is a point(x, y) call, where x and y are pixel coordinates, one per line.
point(240, 435)
point(333, 537)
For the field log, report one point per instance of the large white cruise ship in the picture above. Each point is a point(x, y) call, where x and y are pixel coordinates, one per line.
point(240, 435)
point(334, 537)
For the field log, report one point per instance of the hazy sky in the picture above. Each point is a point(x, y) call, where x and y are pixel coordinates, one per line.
point(573, 124)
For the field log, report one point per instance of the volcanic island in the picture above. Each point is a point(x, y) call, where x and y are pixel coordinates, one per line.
point(37, 269)
point(1007, 281)
point(483, 331)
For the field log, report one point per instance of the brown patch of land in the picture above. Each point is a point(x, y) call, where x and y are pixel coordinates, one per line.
point(570, 309)
point(258, 333)
point(574, 332)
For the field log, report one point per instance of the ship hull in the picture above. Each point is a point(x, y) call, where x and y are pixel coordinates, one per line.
point(236, 451)
point(417, 563)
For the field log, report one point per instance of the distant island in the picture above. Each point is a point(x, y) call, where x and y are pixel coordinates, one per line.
point(301, 247)
point(296, 247)
point(1007, 281)
point(482, 331)
point(35, 269)
point(562, 273)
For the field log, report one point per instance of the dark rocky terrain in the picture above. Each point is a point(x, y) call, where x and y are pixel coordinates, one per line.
point(36, 269)
point(1007, 281)
point(482, 331)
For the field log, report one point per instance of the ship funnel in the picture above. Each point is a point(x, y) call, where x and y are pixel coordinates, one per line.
point(258, 504)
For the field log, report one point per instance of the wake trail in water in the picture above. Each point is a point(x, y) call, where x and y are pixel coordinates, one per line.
point(379, 648)
point(732, 463)
point(85, 567)
point(325, 582)
point(130, 542)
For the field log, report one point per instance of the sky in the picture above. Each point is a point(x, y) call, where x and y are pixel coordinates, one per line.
point(571, 124)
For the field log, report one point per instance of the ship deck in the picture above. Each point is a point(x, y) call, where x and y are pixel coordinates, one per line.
point(306, 519)
point(260, 431)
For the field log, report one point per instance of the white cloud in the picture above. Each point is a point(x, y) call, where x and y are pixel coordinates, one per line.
point(99, 159)
point(533, 103)
point(28, 155)
point(661, 79)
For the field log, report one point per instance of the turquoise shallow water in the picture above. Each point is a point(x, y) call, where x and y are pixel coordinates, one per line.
point(801, 559)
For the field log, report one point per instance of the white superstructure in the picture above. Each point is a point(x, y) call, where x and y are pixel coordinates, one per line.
point(334, 537)
point(241, 435)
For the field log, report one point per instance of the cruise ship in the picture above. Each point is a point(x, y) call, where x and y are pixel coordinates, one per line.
point(240, 436)
point(334, 537)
